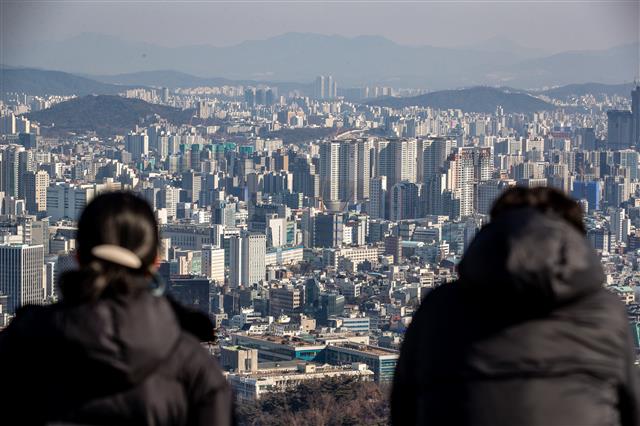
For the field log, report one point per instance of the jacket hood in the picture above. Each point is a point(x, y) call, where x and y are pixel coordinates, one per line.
point(530, 262)
point(118, 340)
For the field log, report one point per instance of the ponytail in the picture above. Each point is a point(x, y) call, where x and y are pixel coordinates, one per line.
point(98, 278)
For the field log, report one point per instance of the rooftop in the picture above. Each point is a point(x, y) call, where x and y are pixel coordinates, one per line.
point(293, 341)
point(301, 368)
point(373, 350)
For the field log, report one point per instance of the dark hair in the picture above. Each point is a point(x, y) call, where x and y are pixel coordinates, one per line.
point(544, 199)
point(116, 218)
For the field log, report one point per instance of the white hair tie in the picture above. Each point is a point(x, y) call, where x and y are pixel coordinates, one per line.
point(118, 255)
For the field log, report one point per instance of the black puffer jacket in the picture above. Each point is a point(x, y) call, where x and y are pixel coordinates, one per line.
point(527, 336)
point(118, 361)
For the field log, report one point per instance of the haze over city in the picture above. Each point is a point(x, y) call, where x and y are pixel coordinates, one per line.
point(549, 26)
point(458, 44)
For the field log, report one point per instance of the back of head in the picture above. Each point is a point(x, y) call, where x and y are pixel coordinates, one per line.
point(117, 221)
point(543, 199)
point(533, 255)
point(527, 263)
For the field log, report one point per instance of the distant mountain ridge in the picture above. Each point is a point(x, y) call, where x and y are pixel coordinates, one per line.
point(45, 82)
point(161, 78)
point(173, 79)
point(475, 99)
point(504, 44)
point(563, 92)
point(105, 114)
point(299, 57)
point(620, 63)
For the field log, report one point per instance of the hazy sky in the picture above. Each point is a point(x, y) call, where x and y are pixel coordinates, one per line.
point(551, 25)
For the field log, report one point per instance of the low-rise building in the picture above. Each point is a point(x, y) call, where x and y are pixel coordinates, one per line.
point(381, 361)
point(275, 348)
point(251, 386)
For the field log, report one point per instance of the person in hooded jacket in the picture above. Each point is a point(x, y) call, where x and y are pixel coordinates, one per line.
point(114, 351)
point(526, 336)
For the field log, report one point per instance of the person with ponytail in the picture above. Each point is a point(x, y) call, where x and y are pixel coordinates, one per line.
point(114, 350)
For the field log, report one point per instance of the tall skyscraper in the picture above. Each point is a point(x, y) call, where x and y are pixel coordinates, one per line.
point(35, 188)
point(276, 230)
point(331, 88)
point(328, 230)
point(307, 225)
point(8, 124)
point(587, 138)
point(617, 189)
point(192, 183)
point(378, 197)
point(629, 160)
point(487, 193)
point(466, 167)
point(405, 201)
point(213, 263)
point(28, 140)
point(348, 172)
point(254, 251)
point(635, 113)
point(330, 171)
point(434, 154)
point(250, 96)
point(619, 129)
point(235, 261)
point(325, 87)
point(21, 273)
point(271, 95)
point(364, 169)
point(10, 169)
point(620, 225)
point(405, 155)
point(590, 191)
point(223, 213)
point(396, 159)
point(433, 191)
point(168, 198)
point(247, 254)
point(137, 144)
point(27, 163)
point(345, 170)
point(320, 88)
